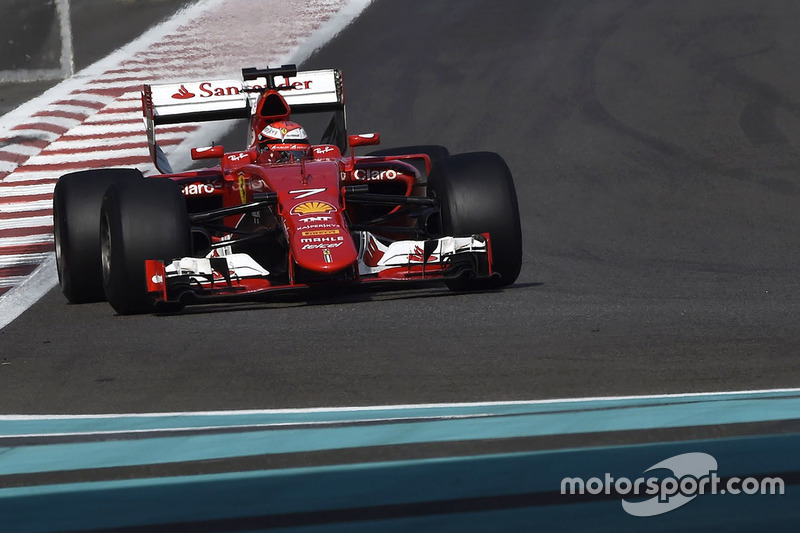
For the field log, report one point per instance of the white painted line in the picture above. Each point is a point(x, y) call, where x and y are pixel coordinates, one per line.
point(22, 149)
point(22, 259)
point(114, 83)
point(30, 175)
point(11, 281)
point(122, 128)
point(26, 222)
point(96, 143)
point(125, 117)
point(247, 412)
point(79, 104)
point(56, 121)
point(27, 240)
point(275, 425)
point(18, 299)
point(21, 207)
point(24, 190)
point(67, 58)
point(39, 135)
point(129, 97)
point(92, 159)
point(68, 108)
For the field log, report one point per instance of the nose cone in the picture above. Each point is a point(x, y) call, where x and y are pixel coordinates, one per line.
point(315, 227)
point(324, 249)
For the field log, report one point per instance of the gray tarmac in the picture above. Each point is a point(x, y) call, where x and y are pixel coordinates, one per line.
point(655, 148)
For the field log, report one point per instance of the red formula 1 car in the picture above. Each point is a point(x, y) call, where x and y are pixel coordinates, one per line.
point(284, 213)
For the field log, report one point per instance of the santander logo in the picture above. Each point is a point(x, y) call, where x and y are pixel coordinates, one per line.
point(208, 89)
point(183, 94)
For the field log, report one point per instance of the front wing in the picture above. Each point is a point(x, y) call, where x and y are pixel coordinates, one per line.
point(238, 277)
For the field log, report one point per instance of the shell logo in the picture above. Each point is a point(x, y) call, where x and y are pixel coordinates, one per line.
point(311, 208)
point(242, 188)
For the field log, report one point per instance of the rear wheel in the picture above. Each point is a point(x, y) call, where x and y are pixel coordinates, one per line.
point(140, 221)
point(76, 221)
point(476, 195)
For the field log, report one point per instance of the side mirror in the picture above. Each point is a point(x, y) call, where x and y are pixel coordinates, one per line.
point(364, 139)
point(209, 152)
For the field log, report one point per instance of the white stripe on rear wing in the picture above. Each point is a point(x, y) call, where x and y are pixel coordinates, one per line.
point(198, 101)
point(201, 101)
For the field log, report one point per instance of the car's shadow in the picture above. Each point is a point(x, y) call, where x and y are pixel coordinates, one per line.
point(339, 296)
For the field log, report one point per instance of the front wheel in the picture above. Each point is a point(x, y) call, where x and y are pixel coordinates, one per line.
point(76, 219)
point(140, 221)
point(476, 195)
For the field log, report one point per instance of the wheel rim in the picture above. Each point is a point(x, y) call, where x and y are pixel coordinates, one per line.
point(105, 249)
point(59, 250)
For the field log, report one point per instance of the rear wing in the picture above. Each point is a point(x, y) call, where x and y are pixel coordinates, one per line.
point(201, 101)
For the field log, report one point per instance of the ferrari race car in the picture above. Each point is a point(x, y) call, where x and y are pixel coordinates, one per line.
point(283, 214)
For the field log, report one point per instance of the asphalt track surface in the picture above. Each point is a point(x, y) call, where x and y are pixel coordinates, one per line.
point(98, 28)
point(654, 146)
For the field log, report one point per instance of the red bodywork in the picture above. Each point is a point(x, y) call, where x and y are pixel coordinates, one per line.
point(305, 206)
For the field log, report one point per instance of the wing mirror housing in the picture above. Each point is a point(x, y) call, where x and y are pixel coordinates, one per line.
point(208, 152)
point(364, 139)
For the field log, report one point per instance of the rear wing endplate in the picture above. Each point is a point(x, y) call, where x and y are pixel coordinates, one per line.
point(201, 101)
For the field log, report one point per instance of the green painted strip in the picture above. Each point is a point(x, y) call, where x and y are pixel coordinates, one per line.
point(492, 425)
point(455, 493)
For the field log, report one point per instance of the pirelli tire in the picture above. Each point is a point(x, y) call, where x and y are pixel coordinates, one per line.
point(140, 221)
point(76, 230)
point(434, 152)
point(476, 195)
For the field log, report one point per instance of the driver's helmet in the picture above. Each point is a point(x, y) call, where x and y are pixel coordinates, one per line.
point(286, 140)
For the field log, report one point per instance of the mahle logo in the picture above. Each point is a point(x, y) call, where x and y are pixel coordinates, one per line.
point(691, 475)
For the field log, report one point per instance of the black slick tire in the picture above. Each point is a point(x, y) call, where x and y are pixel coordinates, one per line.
point(476, 195)
point(140, 221)
point(76, 230)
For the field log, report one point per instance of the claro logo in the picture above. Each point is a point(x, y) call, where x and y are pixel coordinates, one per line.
point(361, 174)
point(198, 189)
